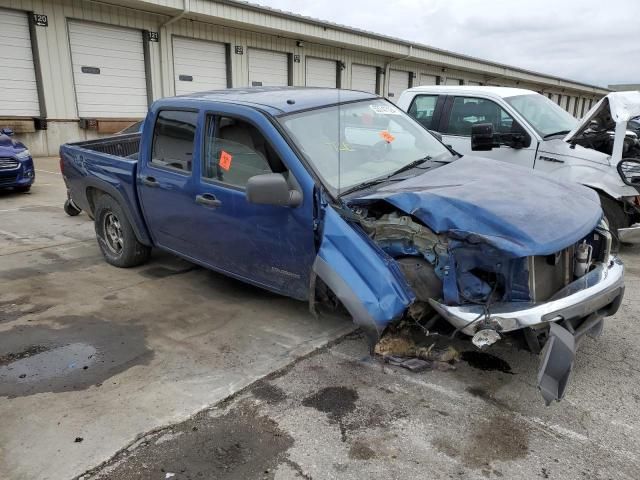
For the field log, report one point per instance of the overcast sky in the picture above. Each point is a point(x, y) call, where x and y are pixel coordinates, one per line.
point(596, 42)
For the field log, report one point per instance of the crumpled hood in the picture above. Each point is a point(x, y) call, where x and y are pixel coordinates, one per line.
point(517, 210)
point(9, 147)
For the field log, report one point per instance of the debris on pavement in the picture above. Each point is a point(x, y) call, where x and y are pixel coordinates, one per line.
point(400, 349)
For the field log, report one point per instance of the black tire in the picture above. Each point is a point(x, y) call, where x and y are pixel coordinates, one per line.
point(70, 208)
point(24, 189)
point(616, 217)
point(116, 238)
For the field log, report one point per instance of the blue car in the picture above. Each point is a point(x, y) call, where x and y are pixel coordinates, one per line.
point(338, 197)
point(16, 164)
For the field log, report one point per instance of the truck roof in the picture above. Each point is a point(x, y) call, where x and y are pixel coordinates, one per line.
point(501, 92)
point(276, 99)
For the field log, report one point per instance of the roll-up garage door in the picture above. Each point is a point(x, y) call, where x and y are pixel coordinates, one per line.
point(364, 77)
point(321, 73)
point(428, 79)
point(398, 83)
point(198, 65)
point(108, 70)
point(18, 90)
point(267, 68)
point(453, 81)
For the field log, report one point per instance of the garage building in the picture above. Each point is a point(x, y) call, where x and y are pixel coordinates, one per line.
point(77, 69)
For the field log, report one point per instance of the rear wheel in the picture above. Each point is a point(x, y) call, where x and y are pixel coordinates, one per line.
point(116, 237)
point(616, 217)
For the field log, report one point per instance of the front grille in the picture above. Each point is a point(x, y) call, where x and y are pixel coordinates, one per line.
point(8, 163)
point(8, 180)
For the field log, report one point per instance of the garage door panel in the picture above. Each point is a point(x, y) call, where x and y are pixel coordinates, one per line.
point(88, 52)
point(364, 78)
point(320, 72)
point(398, 83)
point(268, 68)
point(108, 75)
point(20, 75)
point(120, 87)
point(188, 56)
point(18, 89)
point(426, 79)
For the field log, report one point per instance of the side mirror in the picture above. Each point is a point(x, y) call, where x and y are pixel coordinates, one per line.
point(272, 189)
point(482, 137)
point(7, 131)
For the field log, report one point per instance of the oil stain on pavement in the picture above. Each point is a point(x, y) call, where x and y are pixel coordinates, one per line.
point(242, 443)
point(82, 352)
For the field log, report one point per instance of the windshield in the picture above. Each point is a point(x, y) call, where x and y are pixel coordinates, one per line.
point(545, 116)
point(358, 142)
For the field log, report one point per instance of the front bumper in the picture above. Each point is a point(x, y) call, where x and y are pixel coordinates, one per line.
point(587, 295)
point(22, 176)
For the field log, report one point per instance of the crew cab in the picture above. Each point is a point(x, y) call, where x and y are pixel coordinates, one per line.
point(338, 196)
point(525, 128)
point(16, 165)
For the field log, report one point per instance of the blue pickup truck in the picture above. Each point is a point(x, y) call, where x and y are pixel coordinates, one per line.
point(16, 164)
point(337, 196)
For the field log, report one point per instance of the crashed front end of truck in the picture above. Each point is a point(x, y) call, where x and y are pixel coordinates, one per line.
point(428, 246)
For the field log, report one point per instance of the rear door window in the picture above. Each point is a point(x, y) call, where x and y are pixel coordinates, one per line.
point(173, 140)
point(423, 108)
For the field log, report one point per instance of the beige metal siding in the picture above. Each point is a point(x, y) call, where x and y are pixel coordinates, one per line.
point(18, 89)
point(198, 65)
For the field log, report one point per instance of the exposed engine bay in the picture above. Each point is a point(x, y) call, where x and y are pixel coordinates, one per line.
point(457, 272)
point(599, 134)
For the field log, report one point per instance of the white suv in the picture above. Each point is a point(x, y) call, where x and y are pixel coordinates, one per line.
point(525, 128)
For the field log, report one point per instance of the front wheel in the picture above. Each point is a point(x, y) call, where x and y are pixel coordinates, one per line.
point(616, 218)
point(24, 189)
point(116, 237)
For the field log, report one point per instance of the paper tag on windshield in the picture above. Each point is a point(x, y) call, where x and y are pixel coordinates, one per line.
point(387, 137)
point(225, 160)
point(385, 109)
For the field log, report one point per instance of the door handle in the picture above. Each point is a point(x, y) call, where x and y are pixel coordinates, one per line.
point(150, 182)
point(208, 200)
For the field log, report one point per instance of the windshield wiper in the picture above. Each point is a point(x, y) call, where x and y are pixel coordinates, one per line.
point(386, 178)
point(411, 165)
point(561, 132)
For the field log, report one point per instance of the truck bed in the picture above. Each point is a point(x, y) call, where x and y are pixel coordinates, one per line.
point(105, 165)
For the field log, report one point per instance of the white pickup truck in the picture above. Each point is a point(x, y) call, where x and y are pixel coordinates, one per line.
point(525, 128)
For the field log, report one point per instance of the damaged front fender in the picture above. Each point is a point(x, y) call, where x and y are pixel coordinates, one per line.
point(364, 278)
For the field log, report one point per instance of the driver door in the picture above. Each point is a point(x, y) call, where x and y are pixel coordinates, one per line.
point(269, 245)
point(461, 113)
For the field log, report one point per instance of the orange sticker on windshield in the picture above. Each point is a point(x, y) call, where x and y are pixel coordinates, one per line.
point(387, 137)
point(225, 160)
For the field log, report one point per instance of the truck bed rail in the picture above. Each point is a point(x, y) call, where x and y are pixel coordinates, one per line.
point(120, 146)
